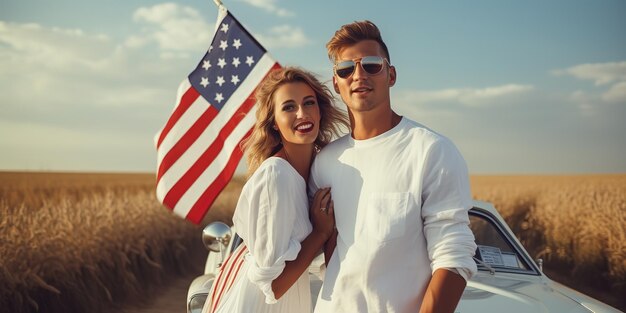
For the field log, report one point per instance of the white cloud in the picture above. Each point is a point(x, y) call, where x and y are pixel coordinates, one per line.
point(59, 68)
point(617, 93)
point(612, 74)
point(172, 27)
point(469, 96)
point(585, 101)
point(51, 48)
point(600, 73)
point(270, 6)
point(283, 36)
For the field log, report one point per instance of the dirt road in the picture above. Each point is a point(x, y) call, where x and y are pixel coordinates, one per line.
point(169, 299)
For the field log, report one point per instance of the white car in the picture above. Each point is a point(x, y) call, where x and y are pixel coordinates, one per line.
point(508, 279)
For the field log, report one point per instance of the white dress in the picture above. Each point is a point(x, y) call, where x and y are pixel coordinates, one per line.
point(272, 219)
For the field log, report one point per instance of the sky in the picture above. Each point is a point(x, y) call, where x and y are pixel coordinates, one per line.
point(521, 87)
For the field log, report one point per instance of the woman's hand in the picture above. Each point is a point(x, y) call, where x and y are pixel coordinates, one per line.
point(322, 213)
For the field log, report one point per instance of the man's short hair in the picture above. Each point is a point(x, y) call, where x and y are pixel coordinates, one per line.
point(351, 34)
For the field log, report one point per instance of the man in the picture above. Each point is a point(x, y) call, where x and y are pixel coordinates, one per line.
point(401, 195)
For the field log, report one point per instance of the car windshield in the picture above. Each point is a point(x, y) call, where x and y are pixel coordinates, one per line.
point(496, 250)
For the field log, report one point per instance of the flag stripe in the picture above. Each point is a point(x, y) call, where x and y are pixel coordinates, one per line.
point(194, 192)
point(220, 281)
point(186, 140)
point(208, 196)
point(168, 178)
point(183, 184)
point(185, 102)
point(235, 274)
point(186, 160)
point(231, 279)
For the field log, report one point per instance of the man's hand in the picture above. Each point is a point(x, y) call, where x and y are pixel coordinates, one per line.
point(443, 293)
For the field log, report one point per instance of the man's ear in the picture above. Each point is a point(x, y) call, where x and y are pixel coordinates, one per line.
point(335, 84)
point(392, 76)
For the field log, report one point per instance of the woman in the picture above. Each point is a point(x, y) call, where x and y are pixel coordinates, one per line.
point(268, 273)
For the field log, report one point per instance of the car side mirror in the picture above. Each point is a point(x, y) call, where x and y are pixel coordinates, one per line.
point(216, 237)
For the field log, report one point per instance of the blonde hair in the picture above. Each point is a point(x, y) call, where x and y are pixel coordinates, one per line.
point(265, 140)
point(351, 34)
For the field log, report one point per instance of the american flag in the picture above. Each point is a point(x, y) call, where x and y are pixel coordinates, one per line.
point(198, 148)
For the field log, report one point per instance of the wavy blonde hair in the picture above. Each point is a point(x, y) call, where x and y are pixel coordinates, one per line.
point(265, 140)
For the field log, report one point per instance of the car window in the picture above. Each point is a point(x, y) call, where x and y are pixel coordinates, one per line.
point(494, 248)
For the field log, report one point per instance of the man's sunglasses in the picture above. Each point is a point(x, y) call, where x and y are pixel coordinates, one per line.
point(370, 64)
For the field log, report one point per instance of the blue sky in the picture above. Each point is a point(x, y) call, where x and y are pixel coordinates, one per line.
point(522, 87)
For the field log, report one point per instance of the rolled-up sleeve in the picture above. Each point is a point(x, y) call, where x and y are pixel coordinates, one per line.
point(270, 224)
point(446, 200)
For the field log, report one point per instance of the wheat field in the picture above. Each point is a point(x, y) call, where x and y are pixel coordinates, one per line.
point(82, 242)
point(89, 242)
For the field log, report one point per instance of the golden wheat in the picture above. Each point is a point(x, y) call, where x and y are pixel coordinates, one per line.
point(81, 242)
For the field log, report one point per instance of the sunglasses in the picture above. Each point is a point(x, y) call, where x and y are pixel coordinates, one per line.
point(370, 64)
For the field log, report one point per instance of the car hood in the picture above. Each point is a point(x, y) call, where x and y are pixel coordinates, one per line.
point(512, 294)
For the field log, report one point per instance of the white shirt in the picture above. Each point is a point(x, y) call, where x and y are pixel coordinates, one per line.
point(401, 201)
point(272, 218)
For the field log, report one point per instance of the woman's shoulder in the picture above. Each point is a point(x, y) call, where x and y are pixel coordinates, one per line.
point(275, 168)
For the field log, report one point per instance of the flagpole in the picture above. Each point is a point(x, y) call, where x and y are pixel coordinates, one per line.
point(218, 3)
